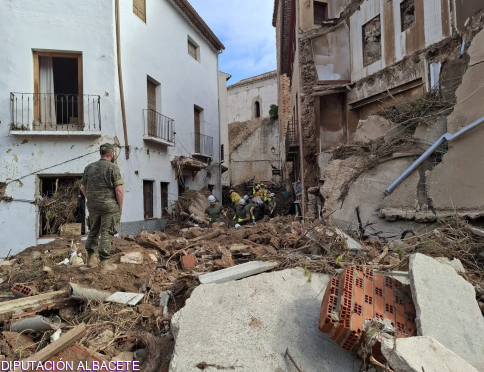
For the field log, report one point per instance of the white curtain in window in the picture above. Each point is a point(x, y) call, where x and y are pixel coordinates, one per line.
point(46, 97)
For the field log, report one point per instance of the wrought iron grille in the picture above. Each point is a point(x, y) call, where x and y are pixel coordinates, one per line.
point(159, 126)
point(203, 144)
point(55, 112)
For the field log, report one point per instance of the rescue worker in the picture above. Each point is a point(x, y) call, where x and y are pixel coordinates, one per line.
point(258, 191)
point(242, 214)
point(102, 186)
point(251, 208)
point(265, 194)
point(259, 209)
point(255, 189)
point(213, 211)
point(234, 196)
point(273, 207)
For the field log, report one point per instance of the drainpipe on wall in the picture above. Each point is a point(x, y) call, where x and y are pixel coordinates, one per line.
point(219, 130)
point(120, 77)
point(301, 164)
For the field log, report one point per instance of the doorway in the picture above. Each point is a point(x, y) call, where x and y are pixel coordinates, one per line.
point(62, 203)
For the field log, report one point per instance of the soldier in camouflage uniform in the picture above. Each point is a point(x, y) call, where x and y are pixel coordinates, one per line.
point(102, 185)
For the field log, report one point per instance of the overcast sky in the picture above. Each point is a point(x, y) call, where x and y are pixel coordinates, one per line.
point(245, 28)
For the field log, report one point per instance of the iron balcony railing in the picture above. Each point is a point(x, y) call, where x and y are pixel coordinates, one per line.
point(203, 144)
point(55, 112)
point(291, 135)
point(159, 126)
point(292, 142)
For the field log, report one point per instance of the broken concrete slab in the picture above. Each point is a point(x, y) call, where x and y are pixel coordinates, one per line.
point(237, 272)
point(417, 354)
point(352, 244)
point(367, 193)
point(447, 309)
point(455, 263)
point(374, 127)
point(252, 322)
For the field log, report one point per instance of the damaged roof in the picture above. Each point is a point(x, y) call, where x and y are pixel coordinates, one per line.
point(187, 10)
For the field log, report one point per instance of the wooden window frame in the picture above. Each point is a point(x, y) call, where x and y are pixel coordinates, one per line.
point(136, 9)
point(326, 11)
point(75, 55)
point(197, 49)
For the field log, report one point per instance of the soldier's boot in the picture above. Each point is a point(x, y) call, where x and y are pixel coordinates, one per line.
point(106, 266)
point(91, 260)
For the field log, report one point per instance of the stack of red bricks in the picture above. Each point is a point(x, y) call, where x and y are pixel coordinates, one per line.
point(359, 295)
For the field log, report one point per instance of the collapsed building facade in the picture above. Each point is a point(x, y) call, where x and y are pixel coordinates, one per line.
point(62, 96)
point(365, 88)
point(253, 130)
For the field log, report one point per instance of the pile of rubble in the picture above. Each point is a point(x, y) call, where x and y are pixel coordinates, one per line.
point(137, 312)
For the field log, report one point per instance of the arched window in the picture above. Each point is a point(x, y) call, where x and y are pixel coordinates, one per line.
point(257, 109)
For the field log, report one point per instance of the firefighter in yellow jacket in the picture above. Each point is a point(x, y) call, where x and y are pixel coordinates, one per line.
point(234, 196)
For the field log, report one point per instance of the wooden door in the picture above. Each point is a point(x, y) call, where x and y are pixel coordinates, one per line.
point(148, 198)
point(197, 131)
point(151, 109)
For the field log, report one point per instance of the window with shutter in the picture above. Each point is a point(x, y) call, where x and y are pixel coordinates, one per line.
point(139, 8)
point(192, 50)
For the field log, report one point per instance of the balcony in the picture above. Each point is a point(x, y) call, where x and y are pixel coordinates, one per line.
point(203, 145)
point(292, 142)
point(158, 128)
point(55, 115)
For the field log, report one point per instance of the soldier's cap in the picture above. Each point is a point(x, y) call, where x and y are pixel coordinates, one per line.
point(108, 145)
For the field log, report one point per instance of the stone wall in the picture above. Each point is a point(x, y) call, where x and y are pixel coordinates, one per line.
point(243, 95)
point(257, 155)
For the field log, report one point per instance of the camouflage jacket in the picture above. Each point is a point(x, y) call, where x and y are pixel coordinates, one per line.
point(100, 179)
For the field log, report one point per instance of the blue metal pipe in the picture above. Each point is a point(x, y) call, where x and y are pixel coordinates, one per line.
point(445, 138)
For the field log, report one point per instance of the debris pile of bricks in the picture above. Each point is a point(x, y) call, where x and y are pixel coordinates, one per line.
point(361, 295)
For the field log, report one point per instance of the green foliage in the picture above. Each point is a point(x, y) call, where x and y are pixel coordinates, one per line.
point(274, 112)
point(308, 274)
point(340, 259)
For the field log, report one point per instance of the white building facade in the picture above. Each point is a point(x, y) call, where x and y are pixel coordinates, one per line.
point(60, 99)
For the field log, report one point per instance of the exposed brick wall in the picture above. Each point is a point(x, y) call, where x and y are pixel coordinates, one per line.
point(283, 87)
point(308, 78)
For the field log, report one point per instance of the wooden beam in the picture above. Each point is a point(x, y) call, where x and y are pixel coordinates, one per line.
point(7, 308)
point(51, 350)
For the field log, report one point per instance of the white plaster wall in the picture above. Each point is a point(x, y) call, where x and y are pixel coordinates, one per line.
point(224, 121)
point(241, 99)
point(332, 54)
point(157, 49)
point(370, 9)
point(86, 27)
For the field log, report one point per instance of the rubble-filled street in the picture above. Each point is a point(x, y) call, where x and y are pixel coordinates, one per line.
point(153, 309)
point(253, 186)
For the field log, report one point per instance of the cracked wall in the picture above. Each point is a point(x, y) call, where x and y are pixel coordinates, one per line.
point(455, 185)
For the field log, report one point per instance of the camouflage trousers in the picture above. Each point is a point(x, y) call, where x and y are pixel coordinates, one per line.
point(104, 225)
